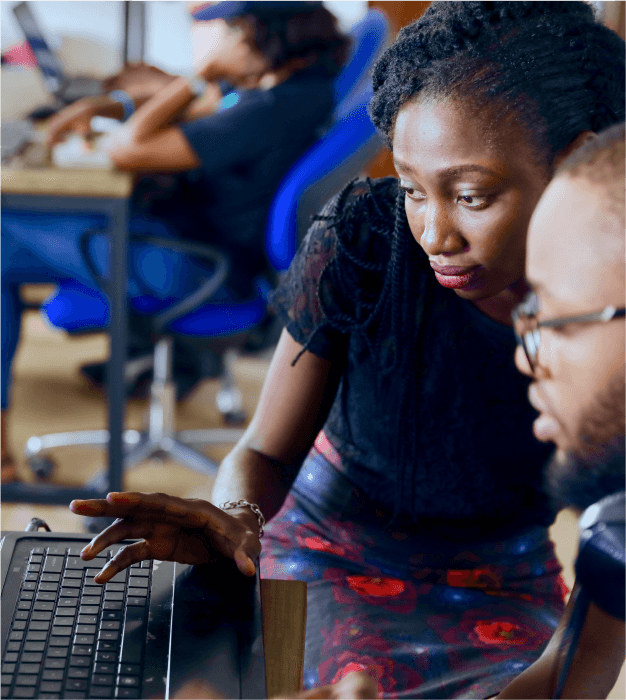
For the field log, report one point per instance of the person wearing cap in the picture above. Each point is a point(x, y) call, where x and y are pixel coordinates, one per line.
point(207, 168)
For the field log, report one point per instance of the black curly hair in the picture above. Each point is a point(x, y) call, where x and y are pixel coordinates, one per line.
point(313, 36)
point(552, 64)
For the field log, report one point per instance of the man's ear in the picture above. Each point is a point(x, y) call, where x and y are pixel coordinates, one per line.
point(581, 139)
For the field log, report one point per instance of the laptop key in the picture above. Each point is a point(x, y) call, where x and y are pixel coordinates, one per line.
point(50, 687)
point(59, 642)
point(14, 646)
point(53, 565)
point(31, 577)
point(106, 656)
point(28, 692)
point(137, 581)
point(80, 661)
point(89, 610)
point(51, 578)
point(113, 605)
point(102, 679)
point(16, 636)
point(52, 675)
point(43, 605)
point(57, 550)
point(11, 657)
point(126, 693)
point(101, 691)
point(54, 663)
point(26, 680)
point(29, 586)
point(111, 614)
point(27, 595)
point(62, 631)
point(74, 695)
point(18, 625)
point(8, 669)
point(73, 574)
point(85, 629)
point(82, 650)
point(41, 616)
point(110, 624)
point(34, 646)
point(71, 583)
point(49, 586)
point(136, 602)
point(109, 635)
point(90, 600)
point(107, 646)
point(88, 620)
point(57, 652)
point(103, 668)
point(21, 615)
point(78, 672)
point(7, 678)
point(32, 657)
point(115, 587)
point(129, 669)
point(128, 681)
point(24, 605)
point(75, 684)
point(67, 621)
point(84, 639)
point(46, 595)
point(4, 693)
point(137, 592)
point(68, 602)
point(29, 668)
point(38, 624)
point(69, 592)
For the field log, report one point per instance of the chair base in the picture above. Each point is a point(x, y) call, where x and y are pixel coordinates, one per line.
point(159, 440)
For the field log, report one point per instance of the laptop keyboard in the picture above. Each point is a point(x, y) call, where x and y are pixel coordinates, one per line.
point(72, 638)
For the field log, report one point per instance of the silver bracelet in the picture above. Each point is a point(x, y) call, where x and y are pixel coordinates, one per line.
point(253, 507)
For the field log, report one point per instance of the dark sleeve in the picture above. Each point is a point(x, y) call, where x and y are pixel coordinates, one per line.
point(231, 136)
point(296, 301)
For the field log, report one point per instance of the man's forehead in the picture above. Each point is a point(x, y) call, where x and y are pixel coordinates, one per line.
point(573, 253)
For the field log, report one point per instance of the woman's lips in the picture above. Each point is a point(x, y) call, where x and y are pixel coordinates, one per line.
point(456, 277)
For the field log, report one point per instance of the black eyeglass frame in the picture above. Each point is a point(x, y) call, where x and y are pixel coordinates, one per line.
point(529, 339)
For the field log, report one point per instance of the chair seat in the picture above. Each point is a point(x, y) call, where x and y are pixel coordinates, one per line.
point(75, 308)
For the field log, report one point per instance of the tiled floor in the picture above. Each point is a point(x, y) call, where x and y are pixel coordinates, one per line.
point(50, 396)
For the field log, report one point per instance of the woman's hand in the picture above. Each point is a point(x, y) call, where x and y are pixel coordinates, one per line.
point(74, 119)
point(188, 531)
point(353, 686)
point(140, 80)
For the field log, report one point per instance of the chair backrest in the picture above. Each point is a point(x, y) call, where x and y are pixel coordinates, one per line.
point(369, 37)
point(332, 162)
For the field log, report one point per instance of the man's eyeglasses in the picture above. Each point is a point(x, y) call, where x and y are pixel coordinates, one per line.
point(527, 327)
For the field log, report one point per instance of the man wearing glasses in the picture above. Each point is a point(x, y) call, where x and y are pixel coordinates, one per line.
point(571, 341)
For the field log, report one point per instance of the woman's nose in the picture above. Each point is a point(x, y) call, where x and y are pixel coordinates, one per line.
point(440, 236)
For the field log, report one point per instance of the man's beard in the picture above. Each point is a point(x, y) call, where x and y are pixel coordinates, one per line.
point(595, 468)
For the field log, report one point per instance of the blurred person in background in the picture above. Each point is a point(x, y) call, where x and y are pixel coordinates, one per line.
point(222, 164)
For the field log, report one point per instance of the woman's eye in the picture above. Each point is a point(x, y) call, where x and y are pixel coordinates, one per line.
point(472, 201)
point(411, 191)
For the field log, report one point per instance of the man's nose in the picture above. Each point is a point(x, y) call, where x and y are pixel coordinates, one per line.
point(440, 236)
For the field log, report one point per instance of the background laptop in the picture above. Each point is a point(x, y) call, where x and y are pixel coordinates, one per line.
point(158, 630)
point(63, 88)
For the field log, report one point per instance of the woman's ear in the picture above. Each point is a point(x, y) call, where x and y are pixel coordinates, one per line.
point(581, 139)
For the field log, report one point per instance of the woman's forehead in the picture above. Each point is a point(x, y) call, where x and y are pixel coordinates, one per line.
point(448, 132)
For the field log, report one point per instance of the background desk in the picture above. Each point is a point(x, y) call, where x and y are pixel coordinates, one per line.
point(83, 191)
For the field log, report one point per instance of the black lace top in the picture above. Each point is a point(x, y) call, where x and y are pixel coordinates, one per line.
point(431, 417)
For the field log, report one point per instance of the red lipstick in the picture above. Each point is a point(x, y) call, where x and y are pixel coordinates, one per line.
point(454, 277)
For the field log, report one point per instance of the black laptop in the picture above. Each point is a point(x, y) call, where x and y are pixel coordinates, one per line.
point(63, 88)
point(157, 630)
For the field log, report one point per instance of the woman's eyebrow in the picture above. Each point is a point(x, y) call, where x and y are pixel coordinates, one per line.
point(456, 170)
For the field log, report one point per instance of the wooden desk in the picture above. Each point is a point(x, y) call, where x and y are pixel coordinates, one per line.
point(284, 621)
point(83, 191)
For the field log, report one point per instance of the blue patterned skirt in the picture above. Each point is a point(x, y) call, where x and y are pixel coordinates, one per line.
point(426, 617)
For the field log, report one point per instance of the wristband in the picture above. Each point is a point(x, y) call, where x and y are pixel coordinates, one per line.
point(253, 507)
point(197, 85)
point(125, 100)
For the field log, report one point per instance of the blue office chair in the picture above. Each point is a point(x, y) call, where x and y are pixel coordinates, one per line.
point(370, 35)
point(338, 156)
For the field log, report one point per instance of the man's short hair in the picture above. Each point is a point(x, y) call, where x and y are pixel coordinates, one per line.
point(602, 163)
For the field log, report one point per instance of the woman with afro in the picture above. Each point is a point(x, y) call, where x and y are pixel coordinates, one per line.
point(392, 445)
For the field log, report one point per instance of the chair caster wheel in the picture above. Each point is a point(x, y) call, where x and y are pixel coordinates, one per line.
point(234, 417)
point(41, 466)
point(96, 525)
